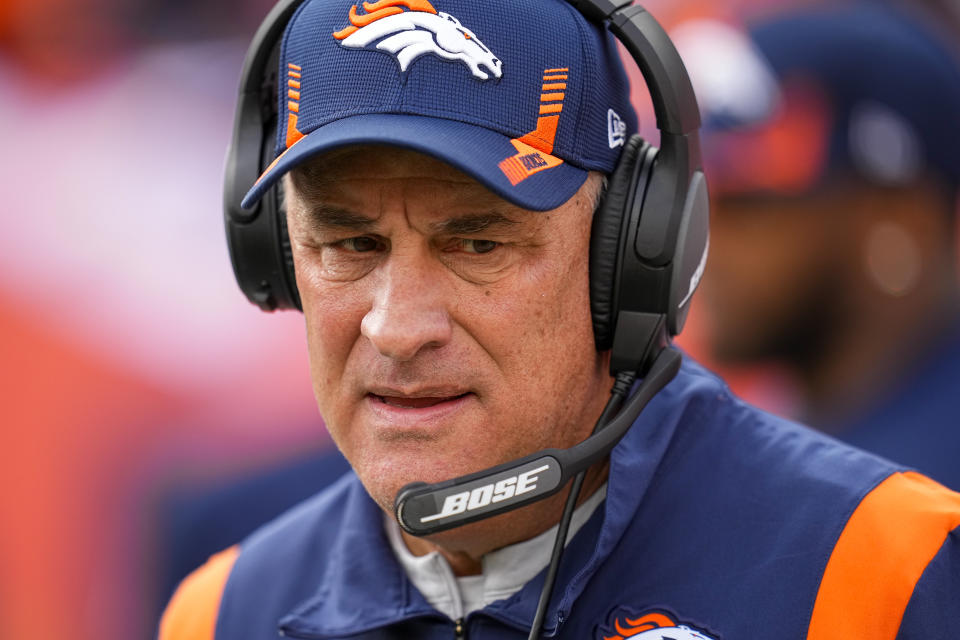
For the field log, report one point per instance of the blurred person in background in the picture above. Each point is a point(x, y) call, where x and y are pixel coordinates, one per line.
point(832, 143)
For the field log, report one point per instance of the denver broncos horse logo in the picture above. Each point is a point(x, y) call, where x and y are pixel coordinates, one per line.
point(408, 29)
point(652, 626)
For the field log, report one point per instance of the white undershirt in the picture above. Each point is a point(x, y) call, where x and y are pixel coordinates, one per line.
point(505, 570)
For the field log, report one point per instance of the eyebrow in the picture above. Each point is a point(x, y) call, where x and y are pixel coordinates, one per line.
point(472, 223)
point(325, 216)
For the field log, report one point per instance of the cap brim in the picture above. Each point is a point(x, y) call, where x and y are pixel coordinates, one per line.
point(477, 151)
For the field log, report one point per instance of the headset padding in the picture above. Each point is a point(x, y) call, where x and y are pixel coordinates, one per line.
point(605, 240)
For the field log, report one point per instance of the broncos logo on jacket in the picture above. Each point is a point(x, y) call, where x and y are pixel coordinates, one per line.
point(408, 29)
point(652, 626)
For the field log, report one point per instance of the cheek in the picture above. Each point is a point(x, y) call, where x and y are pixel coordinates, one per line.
point(332, 315)
point(542, 323)
point(557, 374)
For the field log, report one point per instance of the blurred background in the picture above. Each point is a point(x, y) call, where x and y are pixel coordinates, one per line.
point(143, 398)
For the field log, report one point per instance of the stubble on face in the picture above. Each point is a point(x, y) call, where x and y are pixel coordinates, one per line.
point(448, 330)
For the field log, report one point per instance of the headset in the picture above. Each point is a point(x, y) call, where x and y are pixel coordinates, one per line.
point(648, 248)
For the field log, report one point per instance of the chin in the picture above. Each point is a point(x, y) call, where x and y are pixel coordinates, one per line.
point(384, 479)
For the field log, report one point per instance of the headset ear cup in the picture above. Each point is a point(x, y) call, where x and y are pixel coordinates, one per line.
point(285, 249)
point(606, 239)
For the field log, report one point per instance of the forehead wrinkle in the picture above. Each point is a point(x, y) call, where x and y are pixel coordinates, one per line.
point(472, 223)
point(483, 210)
point(323, 215)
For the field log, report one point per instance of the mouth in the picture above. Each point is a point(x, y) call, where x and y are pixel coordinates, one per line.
point(407, 402)
point(431, 409)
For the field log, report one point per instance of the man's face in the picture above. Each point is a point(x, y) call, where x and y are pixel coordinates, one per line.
point(448, 330)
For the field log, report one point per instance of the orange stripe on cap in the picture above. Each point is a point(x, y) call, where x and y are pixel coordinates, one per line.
point(294, 74)
point(527, 161)
point(881, 554)
point(535, 149)
point(279, 157)
point(558, 86)
point(549, 78)
point(543, 136)
point(293, 106)
point(560, 70)
point(514, 170)
point(293, 134)
point(192, 612)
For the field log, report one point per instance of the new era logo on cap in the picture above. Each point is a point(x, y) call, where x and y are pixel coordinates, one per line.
point(515, 94)
point(616, 129)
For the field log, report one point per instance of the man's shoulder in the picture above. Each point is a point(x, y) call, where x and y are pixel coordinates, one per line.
point(193, 609)
point(720, 431)
point(296, 534)
point(286, 553)
point(745, 498)
point(756, 476)
point(890, 549)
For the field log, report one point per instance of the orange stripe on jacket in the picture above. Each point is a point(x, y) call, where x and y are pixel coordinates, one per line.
point(192, 612)
point(883, 551)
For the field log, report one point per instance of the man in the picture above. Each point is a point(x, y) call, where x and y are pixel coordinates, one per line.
point(449, 330)
point(834, 222)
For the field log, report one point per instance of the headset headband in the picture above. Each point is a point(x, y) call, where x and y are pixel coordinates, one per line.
point(671, 91)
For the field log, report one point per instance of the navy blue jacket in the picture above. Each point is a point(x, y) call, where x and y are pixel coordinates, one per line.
point(720, 521)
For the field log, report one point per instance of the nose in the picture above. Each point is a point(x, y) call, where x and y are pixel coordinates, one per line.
point(408, 313)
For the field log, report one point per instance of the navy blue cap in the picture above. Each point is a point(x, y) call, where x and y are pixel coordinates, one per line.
point(862, 88)
point(526, 97)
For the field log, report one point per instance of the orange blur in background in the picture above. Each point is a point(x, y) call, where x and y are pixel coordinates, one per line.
point(130, 364)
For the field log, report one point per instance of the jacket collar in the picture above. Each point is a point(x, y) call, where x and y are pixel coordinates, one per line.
point(360, 556)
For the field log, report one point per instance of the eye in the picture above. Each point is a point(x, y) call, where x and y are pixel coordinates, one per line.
point(478, 246)
point(360, 244)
